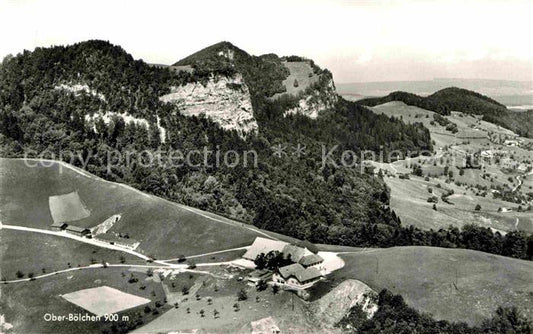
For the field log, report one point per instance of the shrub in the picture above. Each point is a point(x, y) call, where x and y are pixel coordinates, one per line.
point(261, 285)
point(433, 199)
point(242, 295)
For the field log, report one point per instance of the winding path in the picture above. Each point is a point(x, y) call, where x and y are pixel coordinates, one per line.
point(80, 171)
point(65, 234)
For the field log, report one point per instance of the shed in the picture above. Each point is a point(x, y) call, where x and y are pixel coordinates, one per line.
point(59, 226)
point(80, 231)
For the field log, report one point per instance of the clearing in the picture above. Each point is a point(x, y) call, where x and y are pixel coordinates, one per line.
point(164, 229)
point(104, 300)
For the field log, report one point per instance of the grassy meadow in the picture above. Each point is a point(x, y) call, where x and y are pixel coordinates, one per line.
point(165, 229)
point(451, 284)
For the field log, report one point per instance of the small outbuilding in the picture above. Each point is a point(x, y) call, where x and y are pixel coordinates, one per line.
point(59, 226)
point(79, 231)
point(255, 276)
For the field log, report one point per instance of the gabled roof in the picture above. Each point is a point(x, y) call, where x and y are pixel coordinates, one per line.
point(310, 259)
point(76, 228)
point(291, 270)
point(298, 271)
point(308, 274)
point(263, 245)
point(295, 252)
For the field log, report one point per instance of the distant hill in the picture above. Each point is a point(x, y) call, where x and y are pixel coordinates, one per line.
point(510, 93)
point(457, 99)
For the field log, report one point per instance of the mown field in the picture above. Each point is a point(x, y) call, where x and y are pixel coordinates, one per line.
point(165, 229)
point(451, 284)
point(25, 304)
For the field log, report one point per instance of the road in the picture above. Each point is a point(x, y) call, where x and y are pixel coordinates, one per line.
point(160, 263)
point(519, 179)
point(65, 234)
point(330, 257)
point(206, 254)
point(198, 212)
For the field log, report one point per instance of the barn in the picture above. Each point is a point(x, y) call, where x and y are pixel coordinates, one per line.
point(263, 245)
point(79, 231)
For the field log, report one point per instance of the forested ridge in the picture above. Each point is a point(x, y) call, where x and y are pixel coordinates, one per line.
point(297, 196)
point(457, 99)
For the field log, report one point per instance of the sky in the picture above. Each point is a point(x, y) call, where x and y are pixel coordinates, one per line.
point(357, 41)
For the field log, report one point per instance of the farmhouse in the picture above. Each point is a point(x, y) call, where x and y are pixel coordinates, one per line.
point(263, 245)
point(59, 226)
point(79, 231)
point(296, 276)
point(296, 254)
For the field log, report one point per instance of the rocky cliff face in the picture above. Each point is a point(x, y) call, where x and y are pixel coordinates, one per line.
point(319, 99)
point(331, 308)
point(223, 99)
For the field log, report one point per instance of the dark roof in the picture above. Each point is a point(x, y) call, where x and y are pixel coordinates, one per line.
point(59, 224)
point(298, 271)
point(295, 252)
point(76, 228)
point(308, 274)
point(291, 270)
point(310, 259)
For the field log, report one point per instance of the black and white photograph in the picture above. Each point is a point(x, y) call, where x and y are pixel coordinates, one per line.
point(266, 167)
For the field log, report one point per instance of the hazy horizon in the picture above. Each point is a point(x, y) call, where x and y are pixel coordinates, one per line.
point(358, 41)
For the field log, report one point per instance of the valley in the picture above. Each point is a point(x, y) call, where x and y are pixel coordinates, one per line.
point(439, 230)
point(62, 265)
point(504, 166)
